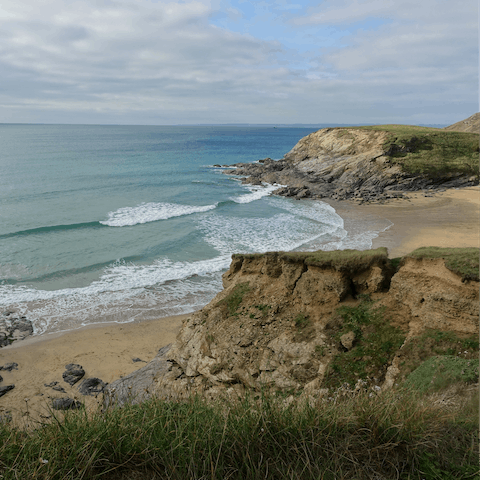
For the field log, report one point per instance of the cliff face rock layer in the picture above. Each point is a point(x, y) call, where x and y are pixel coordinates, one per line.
point(296, 322)
point(369, 163)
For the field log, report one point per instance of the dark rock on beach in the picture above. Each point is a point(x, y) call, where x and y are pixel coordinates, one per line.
point(91, 386)
point(6, 389)
point(8, 367)
point(55, 386)
point(73, 373)
point(66, 403)
point(136, 359)
point(13, 328)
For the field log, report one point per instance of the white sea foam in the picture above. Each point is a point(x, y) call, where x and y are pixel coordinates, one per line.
point(283, 231)
point(357, 238)
point(302, 225)
point(256, 193)
point(151, 212)
point(125, 292)
point(314, 210)
point(179, 286)
point(120, 277)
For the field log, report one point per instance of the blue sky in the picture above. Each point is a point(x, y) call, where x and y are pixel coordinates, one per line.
point(234, 61)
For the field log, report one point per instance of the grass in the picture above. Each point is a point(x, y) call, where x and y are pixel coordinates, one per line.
point(395, 435)
point(440, 372)
point(234, 299)
point(342, 260)
point(395, 263)
point(433, 343)
point(430, 151)
point(462, 261)
point(376, 343)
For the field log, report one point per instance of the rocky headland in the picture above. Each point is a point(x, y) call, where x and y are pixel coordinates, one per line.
point(369, 163)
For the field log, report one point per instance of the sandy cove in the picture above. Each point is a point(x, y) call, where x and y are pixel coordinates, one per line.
point(106, 351)
point(446, 219)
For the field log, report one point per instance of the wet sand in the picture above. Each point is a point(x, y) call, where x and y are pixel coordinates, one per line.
point(448, 219)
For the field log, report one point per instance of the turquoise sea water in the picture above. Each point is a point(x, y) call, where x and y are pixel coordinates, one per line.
point(116, 223)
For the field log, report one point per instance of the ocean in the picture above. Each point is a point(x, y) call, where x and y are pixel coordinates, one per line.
point(124, 223)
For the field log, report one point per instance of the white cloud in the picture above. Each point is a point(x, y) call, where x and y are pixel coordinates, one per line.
point(140, 51)
point(126, 61)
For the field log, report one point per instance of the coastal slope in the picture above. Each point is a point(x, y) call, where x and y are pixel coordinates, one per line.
point(303, 323)
point(470, 124)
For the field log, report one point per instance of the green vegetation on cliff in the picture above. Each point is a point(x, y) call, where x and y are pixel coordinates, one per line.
point(430, 151)
point(375, 343)
point(342, 260)
point(417, 430)
point(462, 261)
point(439, 372)
point(235, 298)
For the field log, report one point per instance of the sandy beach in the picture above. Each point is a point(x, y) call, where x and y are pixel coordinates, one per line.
point(106, 351)
point(446, 219)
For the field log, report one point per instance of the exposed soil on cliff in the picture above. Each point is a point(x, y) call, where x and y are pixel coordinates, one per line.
point(304, 323)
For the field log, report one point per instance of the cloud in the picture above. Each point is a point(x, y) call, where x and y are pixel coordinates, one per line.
point(97, 52)
point(421, 52)
point(125, 61)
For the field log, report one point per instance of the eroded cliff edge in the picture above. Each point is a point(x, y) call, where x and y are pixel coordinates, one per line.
point(303, 323)
point(369, 163)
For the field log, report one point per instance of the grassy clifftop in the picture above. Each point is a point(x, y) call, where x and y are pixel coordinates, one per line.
point(431, 151)
point(462, 261)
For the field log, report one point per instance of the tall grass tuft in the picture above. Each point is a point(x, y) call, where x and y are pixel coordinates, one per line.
point(395, 435)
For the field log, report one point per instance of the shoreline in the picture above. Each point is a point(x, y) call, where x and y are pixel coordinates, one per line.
point(445, 219)
point(106, 350)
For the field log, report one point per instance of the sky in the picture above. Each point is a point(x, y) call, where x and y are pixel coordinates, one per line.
point(151, 62)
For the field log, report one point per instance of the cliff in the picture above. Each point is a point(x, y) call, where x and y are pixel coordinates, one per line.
point(369, 163)
point(302, 323)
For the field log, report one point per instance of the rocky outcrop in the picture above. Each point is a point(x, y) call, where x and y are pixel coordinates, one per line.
point(277, 324)
point(92, 386)
point(5, 389)
point(344, 163)
point(139, 386)
point(13, 328)
point(73, 373)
